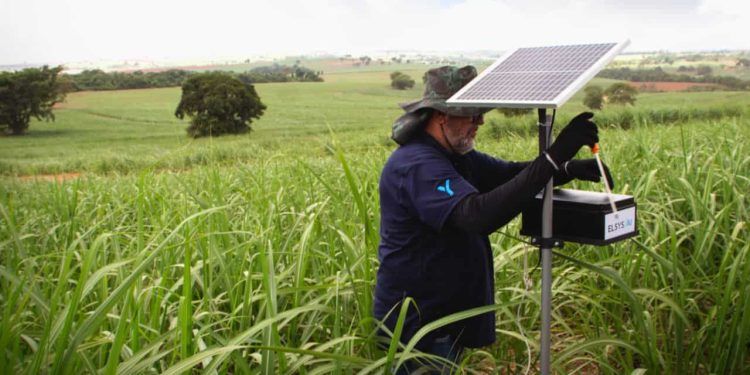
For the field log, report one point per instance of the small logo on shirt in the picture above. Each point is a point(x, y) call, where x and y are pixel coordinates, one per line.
point(446, 188)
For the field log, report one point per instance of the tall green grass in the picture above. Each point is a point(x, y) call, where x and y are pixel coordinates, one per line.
point(268, 267)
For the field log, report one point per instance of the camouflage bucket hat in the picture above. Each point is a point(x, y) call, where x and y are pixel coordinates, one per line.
point(440, 84)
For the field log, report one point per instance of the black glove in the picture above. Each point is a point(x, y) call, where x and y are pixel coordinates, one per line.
point(587, 170)
point(581, 131)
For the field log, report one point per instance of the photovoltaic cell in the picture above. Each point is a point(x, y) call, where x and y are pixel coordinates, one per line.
point(520, 86)
point(575, 58)
point(537, 77)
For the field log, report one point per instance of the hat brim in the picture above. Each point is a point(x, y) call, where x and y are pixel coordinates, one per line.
point(440, 105)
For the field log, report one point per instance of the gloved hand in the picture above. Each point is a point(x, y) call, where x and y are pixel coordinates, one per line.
point(581, 131)
point(587, 170)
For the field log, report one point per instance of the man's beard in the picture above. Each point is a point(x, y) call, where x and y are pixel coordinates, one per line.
point(460, 143)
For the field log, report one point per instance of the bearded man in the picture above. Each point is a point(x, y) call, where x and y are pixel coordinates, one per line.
point(440, 200)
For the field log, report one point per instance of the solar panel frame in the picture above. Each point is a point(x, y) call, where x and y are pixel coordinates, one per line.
point(562, 94)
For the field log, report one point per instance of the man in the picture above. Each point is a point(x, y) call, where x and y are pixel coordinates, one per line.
point(439, 202)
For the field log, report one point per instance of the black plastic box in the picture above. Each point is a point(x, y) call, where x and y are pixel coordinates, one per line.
point(583, 217)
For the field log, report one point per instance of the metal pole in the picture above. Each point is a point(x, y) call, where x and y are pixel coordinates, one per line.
point(545, 139)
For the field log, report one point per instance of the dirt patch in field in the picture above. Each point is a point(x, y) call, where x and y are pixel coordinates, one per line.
point(670, 86)
point(60, 177)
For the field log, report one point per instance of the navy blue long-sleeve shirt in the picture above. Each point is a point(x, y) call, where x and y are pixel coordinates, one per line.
point(432, 254)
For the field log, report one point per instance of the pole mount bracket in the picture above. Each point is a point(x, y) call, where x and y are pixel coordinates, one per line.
point(547, 243)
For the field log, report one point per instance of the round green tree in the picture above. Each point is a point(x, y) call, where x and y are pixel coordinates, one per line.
point(29, 93)
point(621, 93)
point(401, 81)
point(594, 97)
point(217, 104)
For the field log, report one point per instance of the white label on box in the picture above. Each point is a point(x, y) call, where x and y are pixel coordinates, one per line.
point(619, 223)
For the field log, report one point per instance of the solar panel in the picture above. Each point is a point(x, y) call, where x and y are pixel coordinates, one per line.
point(538, 77)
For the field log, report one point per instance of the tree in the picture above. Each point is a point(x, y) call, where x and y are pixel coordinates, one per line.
point(306, 75)
point(218, 104)
point(621, 93)
point(29, 93)
point(401, 81)
point(594, 97)
point(743, 63)
point(703, 70)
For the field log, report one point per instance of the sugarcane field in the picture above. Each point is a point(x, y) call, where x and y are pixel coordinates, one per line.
point(374, 188)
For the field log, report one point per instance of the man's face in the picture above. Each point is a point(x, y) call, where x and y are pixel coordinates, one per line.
point(460, 132)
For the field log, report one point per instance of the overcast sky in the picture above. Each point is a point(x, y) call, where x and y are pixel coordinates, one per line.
point(51, 31)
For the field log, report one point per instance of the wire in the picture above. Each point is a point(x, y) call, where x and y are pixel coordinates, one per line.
point(519, 239)
point(595, 151)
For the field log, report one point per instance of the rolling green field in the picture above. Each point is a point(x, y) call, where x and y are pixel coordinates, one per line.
point(257, 253)
point(126, 131)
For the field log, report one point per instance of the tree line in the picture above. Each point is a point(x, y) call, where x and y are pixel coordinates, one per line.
point(280, 73)
point(216, 102)
point(97, 80)
point(659, 75)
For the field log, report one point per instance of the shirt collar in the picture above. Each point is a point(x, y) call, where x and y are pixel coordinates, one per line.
point(427, 139)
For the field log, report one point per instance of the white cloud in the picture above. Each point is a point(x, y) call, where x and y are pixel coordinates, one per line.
point(70, 30)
